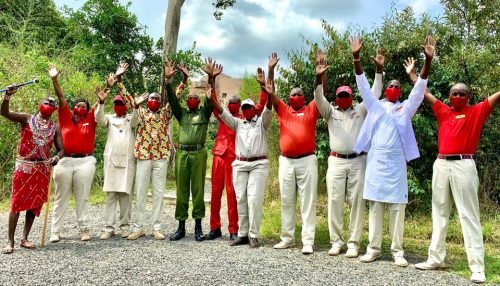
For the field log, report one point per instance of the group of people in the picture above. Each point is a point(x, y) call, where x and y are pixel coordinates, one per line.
point(370, 143)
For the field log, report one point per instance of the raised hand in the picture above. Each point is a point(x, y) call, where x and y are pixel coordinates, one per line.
point(184, 70)
point(409, 65)
point(53, 72)
point(122, 68)
point(379, 59)
point(429, 47)
point(110, 80)
point(11, 89)
point(140, 99)
point(261, 77)
point(101, 94)
point(169, 69)
point(321, 67)
point(320, 55)
point(356, 44)
point(269, 86)
point(217, 70)
point(208, 68)
point(273, 60)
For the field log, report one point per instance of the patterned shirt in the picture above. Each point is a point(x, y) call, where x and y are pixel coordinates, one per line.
point(152, 141)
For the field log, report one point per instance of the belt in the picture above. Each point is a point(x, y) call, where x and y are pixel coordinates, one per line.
point(299, 156)
point(250, 159)
point(456, 157)
point(190, 147)
point(77, 155)
point(348, 156)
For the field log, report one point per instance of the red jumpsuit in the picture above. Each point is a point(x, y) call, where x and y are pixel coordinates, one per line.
point(224, 155)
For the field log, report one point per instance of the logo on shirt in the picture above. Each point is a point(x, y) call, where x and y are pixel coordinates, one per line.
point(460, 116)
point(398, 108)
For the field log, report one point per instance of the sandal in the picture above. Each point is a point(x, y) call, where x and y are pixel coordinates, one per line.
point(27, 244)
point(8, 249)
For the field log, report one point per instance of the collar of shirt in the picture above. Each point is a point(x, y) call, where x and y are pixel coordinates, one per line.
point(254, 119)
point(342, 110)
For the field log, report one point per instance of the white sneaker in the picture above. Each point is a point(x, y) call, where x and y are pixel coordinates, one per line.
point(307, 249)
point(85, 236)
point(427, 265)
point(107, 235)
point(284, 245)
point(335, 250)
point(478, 277)
point(55, 238)
point(400, 260)
point(351, 253)
point(369, 257)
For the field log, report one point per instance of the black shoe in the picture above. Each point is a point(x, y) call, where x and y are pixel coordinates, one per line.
point(240, 241)
point(198, 232)
point(233, 236)
point(181, 231)
point(254, 242)
point(213, 234)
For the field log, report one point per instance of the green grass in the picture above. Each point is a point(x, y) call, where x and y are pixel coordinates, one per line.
point(417, 235)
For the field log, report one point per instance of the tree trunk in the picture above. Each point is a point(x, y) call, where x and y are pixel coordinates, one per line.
point(172, 24)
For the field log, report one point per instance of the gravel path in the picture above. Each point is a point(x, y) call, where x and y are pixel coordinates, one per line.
point(150, 262)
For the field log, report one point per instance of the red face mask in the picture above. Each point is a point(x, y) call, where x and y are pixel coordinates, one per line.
point(120, 110)
point(234, 107)
point(80, 111)
point(343, 102)
point(193, 103)
point(153, 105)
point(297, 102)
point(249, 113)
point(46, 110)
point(458, 102)
point(392, 93)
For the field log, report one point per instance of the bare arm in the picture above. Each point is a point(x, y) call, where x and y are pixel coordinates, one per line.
point(272, 99)
point(273, 61)
point(53, 73)
point(58, 143)
point(409, 66)
point(429, 49)
point(356, 44)
point(17, 117)
point(494, 100)
point(379, 60)
point(122, 68)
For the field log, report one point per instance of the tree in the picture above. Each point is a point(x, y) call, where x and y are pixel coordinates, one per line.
point(173, 22)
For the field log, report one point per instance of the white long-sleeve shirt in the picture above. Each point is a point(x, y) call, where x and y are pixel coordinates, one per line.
point(251, 136)
point(386, 121)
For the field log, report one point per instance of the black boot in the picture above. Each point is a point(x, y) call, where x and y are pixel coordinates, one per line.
point(198, 232)
point(181, 231)
point(213, 234)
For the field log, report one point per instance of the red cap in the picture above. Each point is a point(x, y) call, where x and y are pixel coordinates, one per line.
point(118, 98)
point(343, 88)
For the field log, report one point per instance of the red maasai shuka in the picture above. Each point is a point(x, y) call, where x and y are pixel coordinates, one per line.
point(30, 180)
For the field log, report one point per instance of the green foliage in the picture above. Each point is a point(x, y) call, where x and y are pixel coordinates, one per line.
point(467, 51)
point(249, 88)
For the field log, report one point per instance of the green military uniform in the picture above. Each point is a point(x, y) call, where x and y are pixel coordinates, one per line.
point(191, 158)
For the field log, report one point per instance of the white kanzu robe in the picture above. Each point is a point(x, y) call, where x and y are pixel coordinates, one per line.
point(119, 160)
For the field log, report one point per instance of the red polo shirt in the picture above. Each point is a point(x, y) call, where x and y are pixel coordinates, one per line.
point(297, 129)
point(78, 138)
point(459, 131)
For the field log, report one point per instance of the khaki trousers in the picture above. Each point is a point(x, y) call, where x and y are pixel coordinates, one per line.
point(250, 180)
point(72, 176)
point(123, 199)
point(298, 177)
point(344, 182)
point(154, 171)
point(376, 225)
point(458, 179)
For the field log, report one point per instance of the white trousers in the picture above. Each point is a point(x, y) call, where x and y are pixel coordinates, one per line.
point(344, 182)
point(458, 179)
point(72, 176)
point(250, 180)
point(376, 226)
point(123, 199)
point(298, 177)
point(154, 171)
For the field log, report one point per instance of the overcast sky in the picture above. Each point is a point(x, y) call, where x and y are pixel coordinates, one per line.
point(252, 29)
